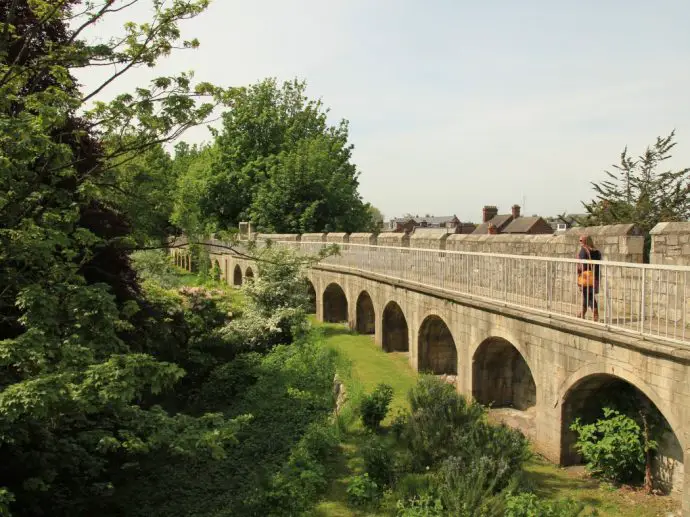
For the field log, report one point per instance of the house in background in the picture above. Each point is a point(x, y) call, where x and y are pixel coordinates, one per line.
point(565, 222)
point(449, 222)
point(401, 224)
point(512, 223)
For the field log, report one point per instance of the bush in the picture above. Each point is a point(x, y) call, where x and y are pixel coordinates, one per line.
point(470, 489)
point(399, 424)
point(379, 461)
point(155, 265)
point(362, 491)
point(229, 381)
point(275, 311)
point(411, 485)
point(529, 505)
point(303, 478)
point(422, 506)
point(613, 447)
point(215, 272)
point(438, 413)
point(444, 424)
point(374, 407)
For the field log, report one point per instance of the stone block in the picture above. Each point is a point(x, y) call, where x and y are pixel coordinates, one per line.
point(363, 238)
point(339, 237)
point(429, 238)
point(394, 239)
point(314, 237)
point(278, 237)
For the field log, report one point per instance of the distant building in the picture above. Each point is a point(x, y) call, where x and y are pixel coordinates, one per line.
point(512, 223)
point(450, 222)
point(562, 223)
point(529, 225)
point(401, 225)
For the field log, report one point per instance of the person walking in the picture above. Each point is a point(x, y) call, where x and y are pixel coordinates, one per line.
point(588, 276)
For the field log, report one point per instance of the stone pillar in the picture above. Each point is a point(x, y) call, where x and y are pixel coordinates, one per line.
point(686, 485)
point(319, 298)
point(671, 244)
point(378, 331)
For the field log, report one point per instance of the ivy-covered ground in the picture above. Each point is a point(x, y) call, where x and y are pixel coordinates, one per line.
point(363, 365)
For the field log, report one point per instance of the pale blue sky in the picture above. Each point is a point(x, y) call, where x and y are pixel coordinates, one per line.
point(453, 105)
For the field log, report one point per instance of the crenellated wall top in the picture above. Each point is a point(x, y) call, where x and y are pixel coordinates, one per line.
point(339, 237)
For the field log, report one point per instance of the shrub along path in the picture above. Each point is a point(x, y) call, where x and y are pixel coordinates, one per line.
point(363, 365)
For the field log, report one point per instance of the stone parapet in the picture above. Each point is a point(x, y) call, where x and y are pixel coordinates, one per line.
point(314, 237)
point(339, 237)
point(618, 243)
point(671, 244)
point(279, 237)
point(363, 238)
point(432, 238)
point(393, 239)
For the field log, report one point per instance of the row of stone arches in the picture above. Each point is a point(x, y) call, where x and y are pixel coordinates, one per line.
point(238, 276)
point(182, 260)
point(502, 377)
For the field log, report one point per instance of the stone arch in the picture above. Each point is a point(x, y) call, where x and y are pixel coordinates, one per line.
point(436, 347)
point(501, 376)
point(366, 316)
point(587, 391)
point(216, 267)
point(311, 294)
point(249, 274)
point(334, 304)
point(395, 332)
point(237, 276)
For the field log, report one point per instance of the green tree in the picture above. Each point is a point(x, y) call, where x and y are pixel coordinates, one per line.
point(275, 138)
point(77, 383)
point(638, 192)
point(376, 217)
point(310, 188)
point(143, 188)
point(193, 171)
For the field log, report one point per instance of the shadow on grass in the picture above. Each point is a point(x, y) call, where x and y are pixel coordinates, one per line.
point(546, 484)
point(335, 329)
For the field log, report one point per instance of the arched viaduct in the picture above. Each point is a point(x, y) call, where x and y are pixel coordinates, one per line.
point(541, 368)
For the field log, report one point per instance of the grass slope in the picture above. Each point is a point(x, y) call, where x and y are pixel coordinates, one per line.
point(363, 365)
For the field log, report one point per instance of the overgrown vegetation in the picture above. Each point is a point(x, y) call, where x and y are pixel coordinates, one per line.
point(444, 458)
point(618, 441)
point(374, 406)
point(104, 360)
point(544, 489)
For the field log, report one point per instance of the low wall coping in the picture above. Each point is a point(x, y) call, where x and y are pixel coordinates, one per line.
point(674, 227)
point(314, 237)
point(363, 238)
point(337, 237)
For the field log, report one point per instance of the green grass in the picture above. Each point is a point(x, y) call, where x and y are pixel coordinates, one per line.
point(364, 365)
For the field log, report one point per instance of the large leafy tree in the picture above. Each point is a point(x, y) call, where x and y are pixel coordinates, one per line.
point(310, 188)
point(638, 192)
point(143, 188)
point(278, 161)
point(74, 377)
point(192, 169)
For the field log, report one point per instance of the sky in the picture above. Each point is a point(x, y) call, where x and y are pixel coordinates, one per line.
point(454, 105)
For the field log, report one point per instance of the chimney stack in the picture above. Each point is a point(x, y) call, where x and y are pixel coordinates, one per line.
point(488, 213)
point(516, 211)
